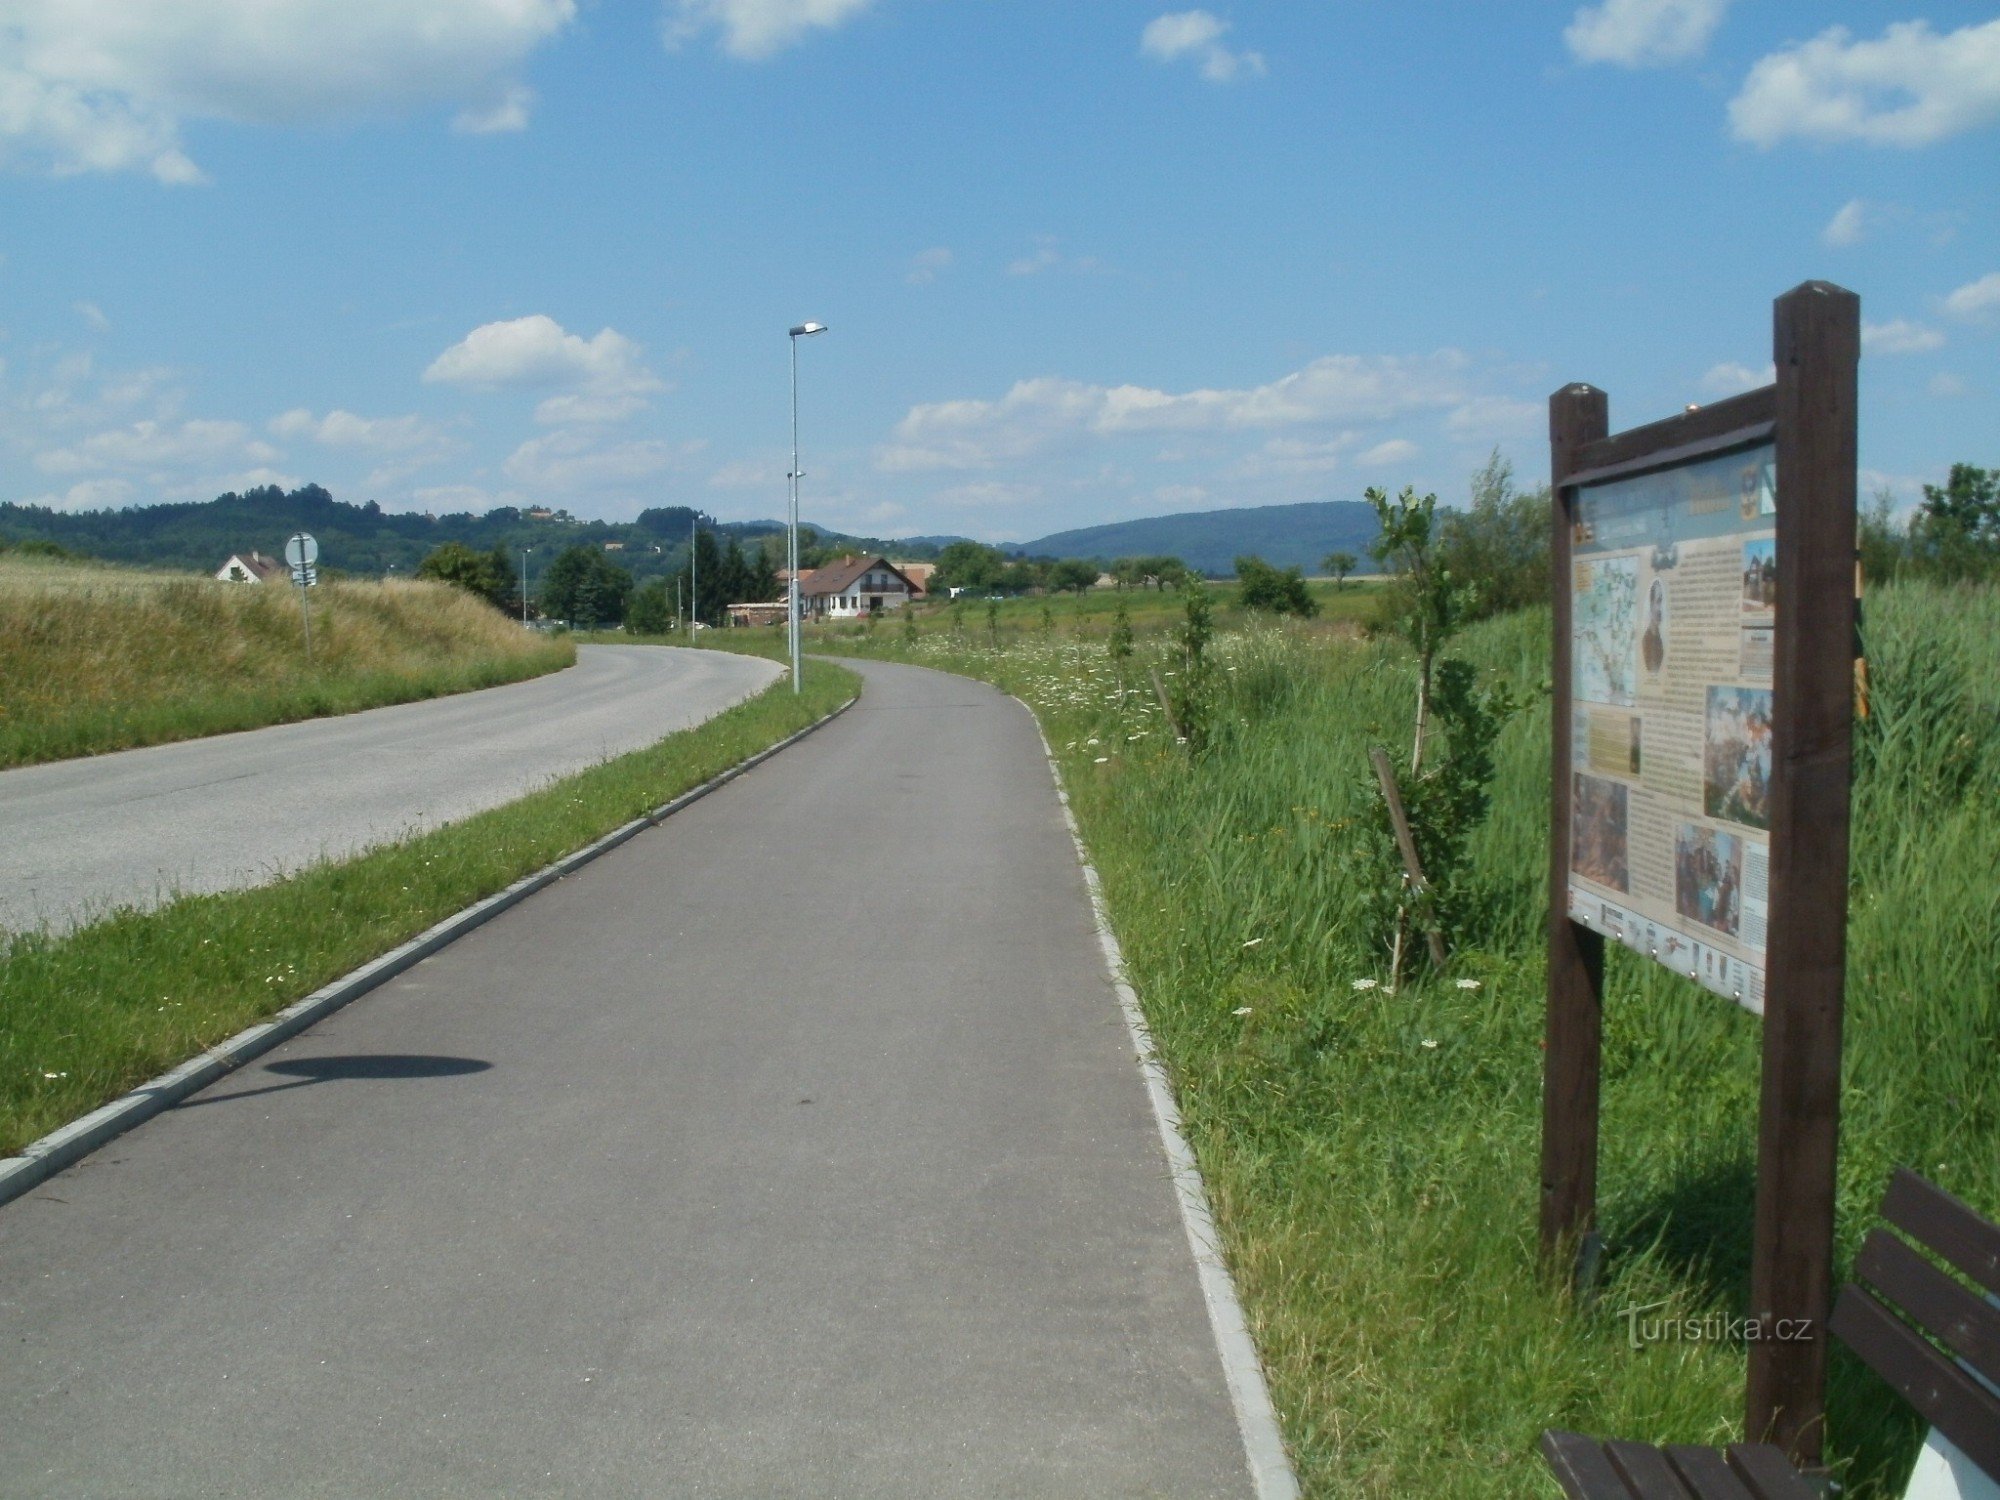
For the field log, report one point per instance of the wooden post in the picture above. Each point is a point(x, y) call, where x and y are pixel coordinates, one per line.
point(1385, 774)
point(1578, 414)
point(1817, 347)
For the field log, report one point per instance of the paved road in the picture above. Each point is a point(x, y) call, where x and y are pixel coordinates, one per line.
point(795, 1148)
point(80, 837)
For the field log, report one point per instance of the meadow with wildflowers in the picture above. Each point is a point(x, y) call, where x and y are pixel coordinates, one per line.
point(1372, 1151)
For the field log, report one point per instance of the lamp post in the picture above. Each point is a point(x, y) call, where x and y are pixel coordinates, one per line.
point(524, 586)
point(694, 581)
point(804, 330)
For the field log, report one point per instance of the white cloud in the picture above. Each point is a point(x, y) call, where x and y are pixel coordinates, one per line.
point(1290, 456)
point(1847, 226)
point(1497, 417)
point(446, 499)
point(90, 494)
point(208, 486)
point(750, 474)
point(604, 376)
point(343, 429)
point(1909, 87)
point(986, 495)
point(1976, 299)
point(572, 462)
point(1732, 379)
point(1041, 413)
point(1047, 257)
point(106, 85)
point(92, 315)
point(1900, 336)
point(158, 446)
point(1197, 35)
point(754, 29)
point(1946, 385)
point(508, 112)
point(925, 265)
point(1643, 33)
point(1395, 451)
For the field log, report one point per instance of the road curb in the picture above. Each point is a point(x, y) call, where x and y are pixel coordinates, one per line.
point(1271, 1473)
point(78, 1139)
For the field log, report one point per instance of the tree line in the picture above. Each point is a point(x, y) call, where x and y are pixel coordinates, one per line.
point(587, 588)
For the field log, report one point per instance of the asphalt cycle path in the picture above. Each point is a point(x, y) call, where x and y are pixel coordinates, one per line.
point(79, 838)
point(794, 1148)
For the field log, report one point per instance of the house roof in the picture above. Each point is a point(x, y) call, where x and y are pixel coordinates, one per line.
point(254, 563)
point(837, 577)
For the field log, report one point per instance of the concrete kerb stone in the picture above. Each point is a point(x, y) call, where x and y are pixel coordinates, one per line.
point(1271, 1472)
point(78, 1139)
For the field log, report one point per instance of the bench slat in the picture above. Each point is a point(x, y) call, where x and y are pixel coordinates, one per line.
point(1936, 1220)
point(1968, 1325)
point(1706, 1472)
point(1581, 1468)
point(1943, 1394)
point(1645, 1470)
point(1767, 1473)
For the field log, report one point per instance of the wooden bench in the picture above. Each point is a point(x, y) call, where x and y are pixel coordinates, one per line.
point(1915, 1326)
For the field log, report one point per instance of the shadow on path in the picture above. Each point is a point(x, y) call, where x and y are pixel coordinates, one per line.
point(307, 1071)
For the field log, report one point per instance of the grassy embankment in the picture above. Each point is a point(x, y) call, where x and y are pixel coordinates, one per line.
point(1373, 1157)
point(87, 1016)
point(96, 658)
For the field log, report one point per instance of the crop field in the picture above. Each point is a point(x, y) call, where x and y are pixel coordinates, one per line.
point(96, 658)
point(1373, 1155)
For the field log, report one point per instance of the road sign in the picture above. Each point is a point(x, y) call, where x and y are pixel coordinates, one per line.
point(302, 551)
point(305, 576)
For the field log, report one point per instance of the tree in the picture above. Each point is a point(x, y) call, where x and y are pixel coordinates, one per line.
point(1502, 540)
point(650, 610)
point(1282, 591)
point(1073, 574)
point(705, 583)
point(1444, 795)
point(1339, 564)
point(970, 565)
point(1120, 643)
point(585, 587)
point(761, 585)
point(1956, 531)
point(1428, 603)
point(486, 574)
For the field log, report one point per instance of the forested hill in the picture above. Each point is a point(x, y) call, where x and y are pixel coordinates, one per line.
point(362, 539)
point(1211, 540)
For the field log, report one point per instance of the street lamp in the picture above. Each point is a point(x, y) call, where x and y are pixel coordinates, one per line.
point(804, 330)
point(524, 586)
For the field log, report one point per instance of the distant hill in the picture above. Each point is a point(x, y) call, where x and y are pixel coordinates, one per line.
point(367, 540)
point(1211, 540)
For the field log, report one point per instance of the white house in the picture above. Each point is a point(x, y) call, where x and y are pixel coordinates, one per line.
point(251, 567)
point(853, 587)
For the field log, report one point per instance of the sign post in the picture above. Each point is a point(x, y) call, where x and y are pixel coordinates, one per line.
point(302, 552)
point(1703, 671)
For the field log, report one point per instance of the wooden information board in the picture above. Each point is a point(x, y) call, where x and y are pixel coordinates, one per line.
point(1703, 595)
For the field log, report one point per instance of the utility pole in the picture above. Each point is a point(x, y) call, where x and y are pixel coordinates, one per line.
point(694, 579)
point(524, 586)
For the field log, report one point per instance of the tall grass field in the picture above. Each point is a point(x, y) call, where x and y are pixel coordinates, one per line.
point(96, 658)
point(1374, 1156)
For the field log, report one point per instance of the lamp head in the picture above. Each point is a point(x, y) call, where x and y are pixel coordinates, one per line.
point(805, 329)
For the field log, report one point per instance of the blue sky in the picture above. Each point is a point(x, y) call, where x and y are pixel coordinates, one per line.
point(1080, 261)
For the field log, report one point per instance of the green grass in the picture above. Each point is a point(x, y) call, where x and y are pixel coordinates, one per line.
point(87, 1016)
point(1373, 1158)
point(96, 658)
